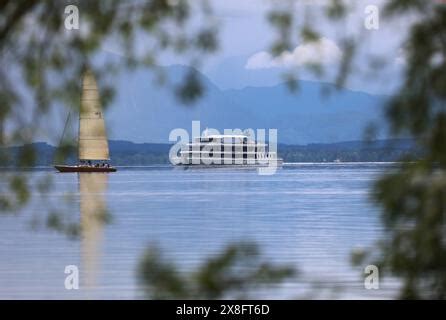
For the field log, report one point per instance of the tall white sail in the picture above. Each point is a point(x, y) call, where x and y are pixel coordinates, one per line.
point(93, 143)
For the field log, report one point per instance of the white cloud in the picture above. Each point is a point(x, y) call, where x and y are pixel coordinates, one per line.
point(322, 52)
point(260, 60)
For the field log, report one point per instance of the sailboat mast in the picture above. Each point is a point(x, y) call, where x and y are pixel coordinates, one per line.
point(64, 129)
point(79, 121)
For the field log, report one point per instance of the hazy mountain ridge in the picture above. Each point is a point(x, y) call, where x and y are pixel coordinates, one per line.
point(146, 112)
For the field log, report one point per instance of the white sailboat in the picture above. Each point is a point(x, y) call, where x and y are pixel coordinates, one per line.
point(93, 144)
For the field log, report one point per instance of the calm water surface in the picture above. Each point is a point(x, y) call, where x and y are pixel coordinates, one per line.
point(310, 216)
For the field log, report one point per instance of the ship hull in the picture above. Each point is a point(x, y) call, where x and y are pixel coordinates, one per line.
point(62, 168)
point(278, 163)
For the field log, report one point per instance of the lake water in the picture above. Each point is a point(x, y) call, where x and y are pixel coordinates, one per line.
point(309, 216)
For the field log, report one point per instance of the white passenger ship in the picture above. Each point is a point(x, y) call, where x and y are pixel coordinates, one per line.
point(227, 150)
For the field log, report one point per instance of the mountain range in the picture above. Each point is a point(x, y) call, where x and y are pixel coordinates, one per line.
point(144, 111)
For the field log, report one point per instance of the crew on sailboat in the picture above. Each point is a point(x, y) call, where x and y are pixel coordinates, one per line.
point(88, 164)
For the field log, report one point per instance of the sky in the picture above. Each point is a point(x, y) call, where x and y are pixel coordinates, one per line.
point(245, 37)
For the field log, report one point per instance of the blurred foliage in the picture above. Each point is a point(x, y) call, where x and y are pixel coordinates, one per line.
point(294, 23)
point(41, 62)
point(282, 20)
point(191, 88)
point(414, 196)
point(56, 221)
point(236, 272)
point(336, 9)
point(40, 67)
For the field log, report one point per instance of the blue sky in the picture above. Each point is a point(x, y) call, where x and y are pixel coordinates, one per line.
point(245, 35)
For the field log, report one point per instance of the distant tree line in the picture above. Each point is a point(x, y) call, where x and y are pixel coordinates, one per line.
point(125, 153)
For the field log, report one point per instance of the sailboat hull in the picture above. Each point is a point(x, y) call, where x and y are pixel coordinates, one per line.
point(63, 168)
